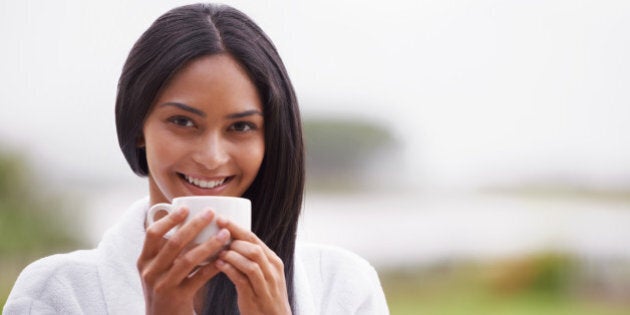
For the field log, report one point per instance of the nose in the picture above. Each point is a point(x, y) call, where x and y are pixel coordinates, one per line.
point(211, 151)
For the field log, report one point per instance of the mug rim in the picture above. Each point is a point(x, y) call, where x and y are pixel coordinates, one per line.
point(210, 197)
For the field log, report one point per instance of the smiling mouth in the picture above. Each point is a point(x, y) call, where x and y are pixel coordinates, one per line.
point(205, 184)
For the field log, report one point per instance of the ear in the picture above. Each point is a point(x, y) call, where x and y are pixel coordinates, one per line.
point(140, 141)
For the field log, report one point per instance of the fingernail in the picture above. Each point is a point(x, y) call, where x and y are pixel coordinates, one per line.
point(219, 263)
point(223, 235)
point(181, 211)
point(208, 214)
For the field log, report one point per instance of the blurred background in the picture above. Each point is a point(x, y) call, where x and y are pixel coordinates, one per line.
point(475, 152)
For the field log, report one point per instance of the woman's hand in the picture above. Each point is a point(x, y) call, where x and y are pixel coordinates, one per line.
point(256, 271)
point(169, 270)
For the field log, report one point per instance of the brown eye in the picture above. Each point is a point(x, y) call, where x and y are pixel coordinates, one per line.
point(181, 121)
point(243, 126)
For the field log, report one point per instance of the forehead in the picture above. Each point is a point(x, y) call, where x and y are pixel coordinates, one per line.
point(215, 80)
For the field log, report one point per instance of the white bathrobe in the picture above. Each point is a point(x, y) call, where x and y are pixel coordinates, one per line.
point(105, 280)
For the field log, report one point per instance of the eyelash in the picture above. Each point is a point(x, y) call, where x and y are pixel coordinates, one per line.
point(177, 120)
point(250, 126)
point(238, 126)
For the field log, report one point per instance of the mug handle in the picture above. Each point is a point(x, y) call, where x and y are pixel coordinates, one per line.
point(160, 207)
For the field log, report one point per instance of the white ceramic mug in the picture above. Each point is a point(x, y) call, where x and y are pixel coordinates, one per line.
point(235, 209)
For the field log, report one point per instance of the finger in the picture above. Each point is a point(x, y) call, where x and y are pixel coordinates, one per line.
point(257, 279)
point(156, 231)
point(184, 264)
point(271, 265)
point(253, 252)
point(176, 243)
point(200, 278)
point(240, 280)
point(239, 233)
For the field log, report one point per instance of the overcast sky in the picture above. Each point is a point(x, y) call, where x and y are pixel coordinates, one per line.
point(477, 92)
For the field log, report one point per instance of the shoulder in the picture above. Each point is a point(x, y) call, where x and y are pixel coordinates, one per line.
point(331, 258)
point(54, 283)
point(70, 266)
point(329, 264)
point(341, 281)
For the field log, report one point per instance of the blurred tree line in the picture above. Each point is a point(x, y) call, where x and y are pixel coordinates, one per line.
point(33, 222)
point(30, 221)
point(340, 152)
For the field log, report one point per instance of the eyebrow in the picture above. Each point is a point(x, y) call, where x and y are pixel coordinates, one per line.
point(185, 107)
point(202, 114)
point(244, 114)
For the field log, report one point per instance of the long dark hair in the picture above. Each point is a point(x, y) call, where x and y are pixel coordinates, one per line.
point(175, 39)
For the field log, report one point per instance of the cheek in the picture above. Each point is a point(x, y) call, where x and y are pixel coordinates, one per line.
point(259, 153)
point(161, 152)
point(253, 156)
point(257, 162)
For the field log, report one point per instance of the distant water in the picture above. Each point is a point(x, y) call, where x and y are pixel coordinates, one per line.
point(404, 229)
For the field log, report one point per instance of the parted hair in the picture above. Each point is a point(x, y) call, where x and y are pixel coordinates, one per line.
point(171, 42)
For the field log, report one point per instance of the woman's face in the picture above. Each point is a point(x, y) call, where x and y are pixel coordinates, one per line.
point(205, 133)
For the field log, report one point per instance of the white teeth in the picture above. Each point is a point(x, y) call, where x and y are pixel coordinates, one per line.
point(203, 183)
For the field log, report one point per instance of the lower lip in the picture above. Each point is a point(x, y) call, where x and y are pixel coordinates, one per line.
point(196, 190)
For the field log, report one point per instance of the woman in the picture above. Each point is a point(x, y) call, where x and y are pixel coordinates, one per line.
point(205, 107)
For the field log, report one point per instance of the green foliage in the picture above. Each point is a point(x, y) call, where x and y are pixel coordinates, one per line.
point(29, 221)
point(546, 286)
point(32, 224)
point(548, 274)
point(12, 177)
point(553, 274)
